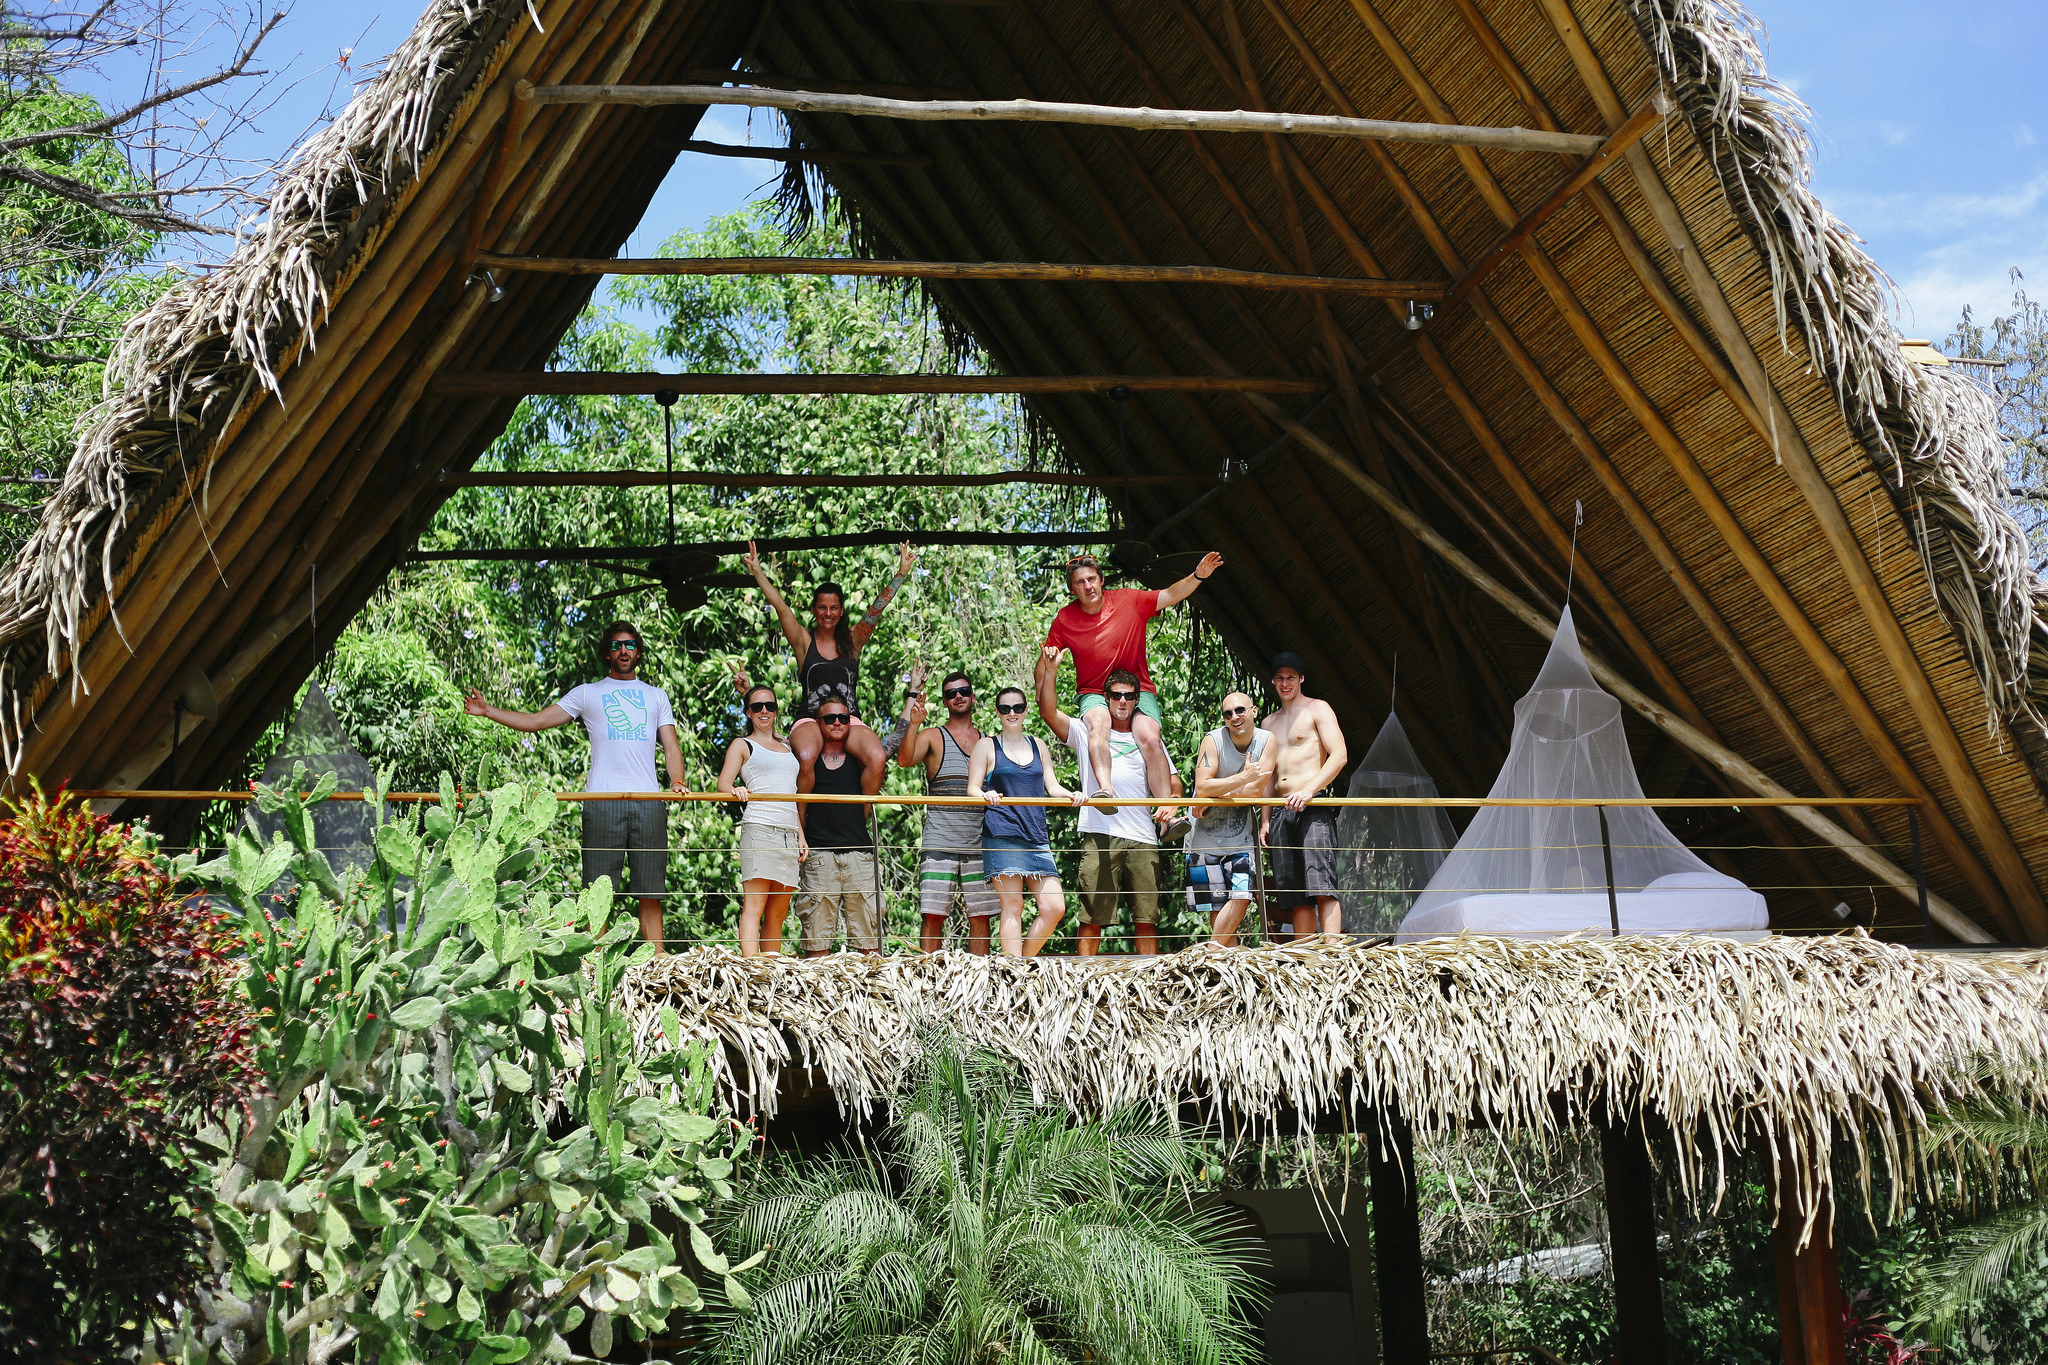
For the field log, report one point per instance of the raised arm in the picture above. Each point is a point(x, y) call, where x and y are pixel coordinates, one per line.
point(916, 743)
point(1045, 681)
point(545, 719)
point(1183, 590)
point(792, 629)
point(864, 628)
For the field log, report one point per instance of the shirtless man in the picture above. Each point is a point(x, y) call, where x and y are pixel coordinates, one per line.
point(950, 861)
point(1302, 839)
point(1106, 631)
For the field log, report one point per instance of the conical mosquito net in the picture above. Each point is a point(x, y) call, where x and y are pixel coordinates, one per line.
point(316, 740)
point(1540, 869)
point(1387, 854)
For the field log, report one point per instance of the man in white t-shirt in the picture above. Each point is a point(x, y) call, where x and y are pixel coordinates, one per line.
point(1119, 846)
point(625, 719)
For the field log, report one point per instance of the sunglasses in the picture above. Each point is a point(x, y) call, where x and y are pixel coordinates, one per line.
point(1010, 708)
point(953, 692)
point(761, 706)
point(835, 720)
point(624, 644)
point(1123, 696)
point(1235, 711)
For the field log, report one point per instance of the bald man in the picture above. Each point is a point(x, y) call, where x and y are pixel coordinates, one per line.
point(1222, 852)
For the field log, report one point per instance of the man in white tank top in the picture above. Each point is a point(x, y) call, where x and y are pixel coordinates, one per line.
point(625, 718)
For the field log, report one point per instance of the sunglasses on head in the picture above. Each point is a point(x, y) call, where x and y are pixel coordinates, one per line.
point(761, 706)
point(623, 644)
point(836, 719)
point(1123, 696)
point(953, 692)
point(1234, 711)
point(1010, 708)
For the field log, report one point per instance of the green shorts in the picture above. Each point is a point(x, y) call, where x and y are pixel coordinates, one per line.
point(1148, 702)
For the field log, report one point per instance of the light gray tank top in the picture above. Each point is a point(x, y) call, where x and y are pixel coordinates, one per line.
point(951, 829)
point(766, 772)
point(1228, 829)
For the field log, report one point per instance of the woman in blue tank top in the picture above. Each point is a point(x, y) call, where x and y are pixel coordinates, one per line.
point(1015, 850)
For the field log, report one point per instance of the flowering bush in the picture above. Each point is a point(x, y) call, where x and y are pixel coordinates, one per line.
point(120, 1025)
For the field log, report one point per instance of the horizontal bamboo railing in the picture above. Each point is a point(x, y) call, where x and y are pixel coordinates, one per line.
point(1045, 111)
point(634, 478)
point(1067, 272)
point(886, 799)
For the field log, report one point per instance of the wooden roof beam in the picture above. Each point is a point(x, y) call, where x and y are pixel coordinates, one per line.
point(1056, 272)
point(802, 154)
point(596, 478)
point(1042, 111)
point(524, 384)
point(850, 540)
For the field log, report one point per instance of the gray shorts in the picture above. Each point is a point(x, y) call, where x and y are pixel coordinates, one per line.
point(632, 833)
point(1303, 845)
point(768, 853)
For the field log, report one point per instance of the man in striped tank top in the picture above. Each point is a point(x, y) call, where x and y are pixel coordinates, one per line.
point(949, 864)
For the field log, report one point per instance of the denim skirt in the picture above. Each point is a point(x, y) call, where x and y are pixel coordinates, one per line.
point(1016, 857)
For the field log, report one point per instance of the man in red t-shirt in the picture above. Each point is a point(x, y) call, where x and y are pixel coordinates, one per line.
point(1106, 631)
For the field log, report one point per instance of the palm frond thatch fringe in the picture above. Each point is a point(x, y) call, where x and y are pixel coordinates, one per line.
point(1786, 1044)
point(186, 364)
point(1933, 434)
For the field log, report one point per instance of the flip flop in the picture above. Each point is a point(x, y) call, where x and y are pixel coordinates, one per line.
point(1176, 831)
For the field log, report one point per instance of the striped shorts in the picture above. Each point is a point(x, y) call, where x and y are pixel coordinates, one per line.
point(943, 872)
point(633, 833)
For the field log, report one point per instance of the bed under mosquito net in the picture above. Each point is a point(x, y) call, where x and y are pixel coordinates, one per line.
point(1539, 870)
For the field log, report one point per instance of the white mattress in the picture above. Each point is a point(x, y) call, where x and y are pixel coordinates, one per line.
point(1683, 903)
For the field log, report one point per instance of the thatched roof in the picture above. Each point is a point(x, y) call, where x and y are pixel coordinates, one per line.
point(1794, 540)
point(1783, 1045)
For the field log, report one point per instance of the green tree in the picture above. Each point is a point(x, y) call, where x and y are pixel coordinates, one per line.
point(2018, 341)
point(990, 1227)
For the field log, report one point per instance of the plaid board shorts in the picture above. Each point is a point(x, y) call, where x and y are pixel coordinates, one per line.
point(1217, 879)
point(632, 833)
point(943, 872)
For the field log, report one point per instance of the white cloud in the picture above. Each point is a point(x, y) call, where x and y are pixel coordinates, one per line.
point(2023, 136)
point(1945, 250)
point(1895, 134)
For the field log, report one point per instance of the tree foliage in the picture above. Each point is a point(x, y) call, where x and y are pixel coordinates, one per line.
point(460, 1157)
point(119, 1029)
point(2018, 340)
point(989, 1226)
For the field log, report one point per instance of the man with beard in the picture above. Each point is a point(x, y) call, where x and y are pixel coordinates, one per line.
point(949, 863)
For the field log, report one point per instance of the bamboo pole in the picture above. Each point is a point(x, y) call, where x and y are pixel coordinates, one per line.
point(846, 541)
point(693, 479)
point(1041, 111)
point(798, 154)
point(711, 75)
point(501, 384)
point(1048, 271)
point(890, 799)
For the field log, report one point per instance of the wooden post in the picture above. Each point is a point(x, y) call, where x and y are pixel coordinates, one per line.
point(1397, 1240)
point(1632, 1243)
point(1809, 1288)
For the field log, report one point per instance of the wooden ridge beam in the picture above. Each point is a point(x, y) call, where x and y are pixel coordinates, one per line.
point(594, 478)
point(712, 75)
point(521, 384)
point(850, 540)
point(1051, 271)
point(801, 154)
point(1045, 111)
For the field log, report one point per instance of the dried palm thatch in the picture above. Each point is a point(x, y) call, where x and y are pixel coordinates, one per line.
point(1789, 1044)
point(192, 362)
point(1933, 433)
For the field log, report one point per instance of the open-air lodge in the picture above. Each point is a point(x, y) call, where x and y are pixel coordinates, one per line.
point(1423, 276)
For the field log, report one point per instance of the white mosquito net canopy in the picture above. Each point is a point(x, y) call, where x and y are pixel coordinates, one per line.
point(1387, 854)
point(1539, 870)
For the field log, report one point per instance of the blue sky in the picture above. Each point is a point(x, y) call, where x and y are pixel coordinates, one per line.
point(1931, 126)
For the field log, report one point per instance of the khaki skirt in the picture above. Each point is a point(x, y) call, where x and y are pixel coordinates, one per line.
point(768, 853)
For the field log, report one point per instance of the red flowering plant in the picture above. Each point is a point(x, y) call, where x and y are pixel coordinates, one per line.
point(121, 1028)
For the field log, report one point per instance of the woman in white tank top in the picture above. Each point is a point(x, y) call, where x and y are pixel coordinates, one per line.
point(761, 763)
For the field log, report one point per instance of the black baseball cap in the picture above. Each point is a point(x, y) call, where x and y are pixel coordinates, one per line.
point(1287, 658)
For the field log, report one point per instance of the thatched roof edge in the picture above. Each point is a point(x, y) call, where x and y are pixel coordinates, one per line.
point(1784, 1044)
point(1931, 434)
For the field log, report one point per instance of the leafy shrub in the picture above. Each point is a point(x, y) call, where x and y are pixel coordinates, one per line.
point(455, 1162)
point(119, 1022)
